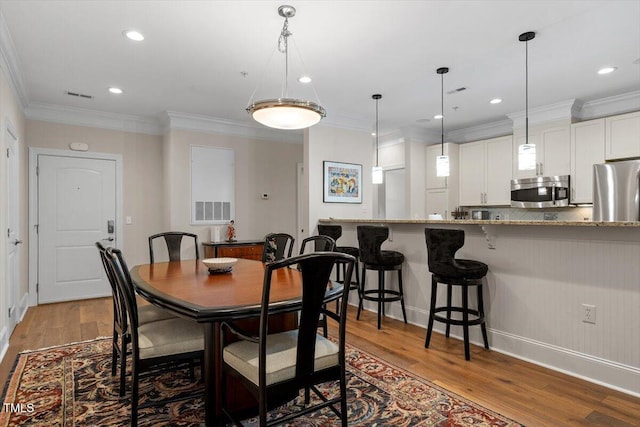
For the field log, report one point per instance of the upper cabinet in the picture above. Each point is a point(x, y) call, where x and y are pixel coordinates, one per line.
point(553, 151)
point(622, 137)
point(587, 149)
point(485, 172)
point(442, 192)
point(433, 151)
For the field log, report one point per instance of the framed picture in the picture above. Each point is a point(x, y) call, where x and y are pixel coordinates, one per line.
point(342, 182)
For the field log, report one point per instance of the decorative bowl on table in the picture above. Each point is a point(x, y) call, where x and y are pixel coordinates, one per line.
point(219, 265)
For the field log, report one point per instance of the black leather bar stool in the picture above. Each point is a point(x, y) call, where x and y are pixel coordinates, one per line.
point(442, 245)
point(370, 239)
point(335, 232)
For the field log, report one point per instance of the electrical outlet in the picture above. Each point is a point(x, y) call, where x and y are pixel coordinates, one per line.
point(589, 313)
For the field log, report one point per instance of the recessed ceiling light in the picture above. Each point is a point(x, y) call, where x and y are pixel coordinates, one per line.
point(305, 79)
point(607, 70)
point(438, 116)
point(133, 35)
point(495, 101)
point(115, 90)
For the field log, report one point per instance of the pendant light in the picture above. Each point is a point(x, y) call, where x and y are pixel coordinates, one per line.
point(442, 161)
point(285, 112)
point(376, 171)
point(526, 151)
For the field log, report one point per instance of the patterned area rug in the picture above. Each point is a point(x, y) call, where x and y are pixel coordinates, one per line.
point(71, 385)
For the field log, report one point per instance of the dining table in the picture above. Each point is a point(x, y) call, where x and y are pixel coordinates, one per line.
point(188, 289)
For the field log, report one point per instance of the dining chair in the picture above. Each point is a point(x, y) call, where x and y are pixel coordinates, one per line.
point(320, 244)
point(276, 367)
point(173, 240)
point(121, 337)
point(161, 344)
point(277, 246)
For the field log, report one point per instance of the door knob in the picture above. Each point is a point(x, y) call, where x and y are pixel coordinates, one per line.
point(17, 242)
point(109, 239)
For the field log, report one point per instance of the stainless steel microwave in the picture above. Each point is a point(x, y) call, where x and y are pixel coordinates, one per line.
point(540, 192)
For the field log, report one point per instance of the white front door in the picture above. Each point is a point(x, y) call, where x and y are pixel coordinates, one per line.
point(76, 208)
point(13, 230)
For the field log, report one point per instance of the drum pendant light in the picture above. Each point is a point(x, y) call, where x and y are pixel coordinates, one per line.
point(285, 112)
point(442, 161)
point(376, 171)
point(526, 151)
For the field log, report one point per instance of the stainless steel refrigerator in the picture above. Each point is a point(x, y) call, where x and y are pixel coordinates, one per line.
point(616, 191)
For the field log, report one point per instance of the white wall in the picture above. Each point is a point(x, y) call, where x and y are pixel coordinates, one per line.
point(260, 167)
point(328, 144)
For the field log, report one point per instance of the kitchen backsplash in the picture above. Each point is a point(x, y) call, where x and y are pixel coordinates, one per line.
point(515, 214)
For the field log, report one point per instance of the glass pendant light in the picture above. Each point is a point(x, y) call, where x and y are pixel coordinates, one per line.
point(442, 161)
point(285, 112)
point(526, 151)
point(376, 171)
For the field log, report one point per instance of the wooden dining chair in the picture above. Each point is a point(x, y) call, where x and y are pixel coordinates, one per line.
point(161, 344)
point(121, 336)
point(320, 244)
point(277, 246)
point(276, 367)
point(173, 240)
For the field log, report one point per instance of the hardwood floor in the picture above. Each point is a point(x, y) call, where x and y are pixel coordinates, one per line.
point(530, 394)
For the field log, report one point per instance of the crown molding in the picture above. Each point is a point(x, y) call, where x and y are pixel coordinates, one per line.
point(612, 105)
point(198, 123)
point(484, 131)
point(9, 63)
point(92, 118)
point(565, 110)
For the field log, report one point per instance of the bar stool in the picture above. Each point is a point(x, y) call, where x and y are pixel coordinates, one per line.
point(335, 232)
point(370, 239)
point(442, 245)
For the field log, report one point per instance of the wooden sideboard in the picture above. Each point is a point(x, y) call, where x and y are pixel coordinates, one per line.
point(248, 249)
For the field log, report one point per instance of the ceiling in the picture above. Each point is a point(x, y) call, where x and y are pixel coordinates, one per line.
point(206, 58)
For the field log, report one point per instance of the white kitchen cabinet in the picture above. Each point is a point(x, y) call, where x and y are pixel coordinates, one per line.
point(587, 149)
point(432, 152)
point(485, 172)
point(442, 192)
point(553, 151)
point(622, 138)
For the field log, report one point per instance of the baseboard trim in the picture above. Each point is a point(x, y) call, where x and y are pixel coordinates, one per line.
point(4, 343)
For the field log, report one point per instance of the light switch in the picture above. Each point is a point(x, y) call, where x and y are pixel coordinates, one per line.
point(128, 220)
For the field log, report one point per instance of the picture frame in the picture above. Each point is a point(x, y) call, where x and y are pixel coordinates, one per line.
point(342, 182)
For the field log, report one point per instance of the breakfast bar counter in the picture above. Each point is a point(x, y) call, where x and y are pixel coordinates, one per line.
point(543, 277)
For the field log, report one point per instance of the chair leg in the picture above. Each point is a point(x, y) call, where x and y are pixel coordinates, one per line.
point(465, 321)
point(343, 401)
point(432, 307)
point(483, 325)
point(380, 296)
point(404, 312)
point(361, 293)
point(114, 353)
point(449, 291)
point(134, 393)
point(123, 362)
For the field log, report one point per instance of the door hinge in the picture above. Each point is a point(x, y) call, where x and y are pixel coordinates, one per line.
point(8, 232)
point(37, 170)
point(8, 153)
point(10, 312)
point(37, 287)
point(37, 226)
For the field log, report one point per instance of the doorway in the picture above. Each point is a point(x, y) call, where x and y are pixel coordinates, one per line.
point(393, 195)
point(77, 203)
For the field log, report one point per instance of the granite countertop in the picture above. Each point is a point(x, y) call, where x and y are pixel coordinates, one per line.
point(484, 222)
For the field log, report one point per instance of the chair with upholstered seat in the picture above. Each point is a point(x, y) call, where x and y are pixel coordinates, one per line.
point(173, 240)
point(442, 244)
point(121, 336)
point(370, 239)
point(276, 367)
point(160, 344)
point(335, 232)
point(277, 246)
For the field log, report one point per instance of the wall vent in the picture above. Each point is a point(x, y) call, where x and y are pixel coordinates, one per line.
point(79, 95)
point(460, 89)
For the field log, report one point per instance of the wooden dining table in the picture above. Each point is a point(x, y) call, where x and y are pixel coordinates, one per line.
point(188, 289)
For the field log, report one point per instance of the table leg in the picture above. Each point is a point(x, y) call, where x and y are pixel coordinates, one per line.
point(212, 406)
